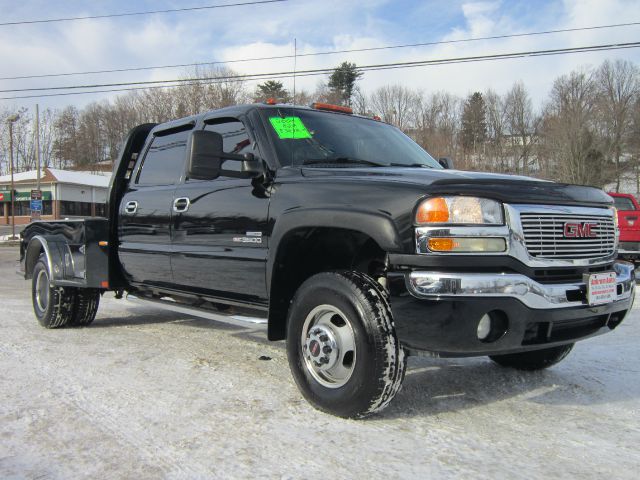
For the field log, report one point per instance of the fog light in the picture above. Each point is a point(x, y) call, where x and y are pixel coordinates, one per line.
point(492, 326)
point(484, 327)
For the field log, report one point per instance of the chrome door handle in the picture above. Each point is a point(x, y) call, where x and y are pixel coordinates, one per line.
point(131, 207)
point(181, 204)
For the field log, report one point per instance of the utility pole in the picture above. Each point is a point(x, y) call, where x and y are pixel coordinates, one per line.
point(11, 120)
point(37, 147)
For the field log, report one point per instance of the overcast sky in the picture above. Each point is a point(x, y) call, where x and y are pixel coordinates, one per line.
point(268, 30)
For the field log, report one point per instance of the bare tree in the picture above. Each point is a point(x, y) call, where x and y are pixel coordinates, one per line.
point(495, 121)
point(521, 125)
point(23, 144)
point(617, 88)
point(569, 132)
point(437, 123)
point(302, 97)
point(325, 94)
point(360, 102)
point(395, 104)
point(634, 142)
point(66, 143)
point(47, 119)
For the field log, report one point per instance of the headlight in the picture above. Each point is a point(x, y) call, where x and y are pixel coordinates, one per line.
point(460, 211)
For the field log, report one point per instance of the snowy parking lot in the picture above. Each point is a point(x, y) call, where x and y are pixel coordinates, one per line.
point(143, 393)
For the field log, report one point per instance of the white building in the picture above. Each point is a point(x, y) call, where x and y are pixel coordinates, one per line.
point(64, 194)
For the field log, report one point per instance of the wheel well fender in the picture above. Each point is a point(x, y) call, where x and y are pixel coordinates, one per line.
point(305, 242)
point(57, 255)
point(376, 225)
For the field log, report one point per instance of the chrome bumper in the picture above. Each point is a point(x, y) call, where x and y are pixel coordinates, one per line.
point(436, 286)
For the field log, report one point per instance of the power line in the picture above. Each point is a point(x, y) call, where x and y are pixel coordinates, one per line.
point(322, 70)
point(201, 82)
point(328, 52)
point(132, 14)
point(365, 68)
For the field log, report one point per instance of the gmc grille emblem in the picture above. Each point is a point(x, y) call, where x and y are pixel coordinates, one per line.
point(580, 230)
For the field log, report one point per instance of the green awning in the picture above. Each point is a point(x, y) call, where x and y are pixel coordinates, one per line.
point(5, 196)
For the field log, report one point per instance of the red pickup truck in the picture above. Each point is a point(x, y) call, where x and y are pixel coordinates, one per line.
point(629, 224)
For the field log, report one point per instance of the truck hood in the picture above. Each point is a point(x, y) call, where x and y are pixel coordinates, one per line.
point(506, 188)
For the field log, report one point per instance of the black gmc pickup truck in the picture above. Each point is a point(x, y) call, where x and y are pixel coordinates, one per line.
point(340, 235)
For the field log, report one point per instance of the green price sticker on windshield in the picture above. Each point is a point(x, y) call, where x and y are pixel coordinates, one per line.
point(289, 128)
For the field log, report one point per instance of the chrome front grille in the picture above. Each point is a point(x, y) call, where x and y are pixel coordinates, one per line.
point(544, 235)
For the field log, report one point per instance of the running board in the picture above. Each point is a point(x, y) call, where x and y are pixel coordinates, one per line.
point(233, 319)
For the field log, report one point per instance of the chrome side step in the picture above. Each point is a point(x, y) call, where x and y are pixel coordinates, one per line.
point(236, 319)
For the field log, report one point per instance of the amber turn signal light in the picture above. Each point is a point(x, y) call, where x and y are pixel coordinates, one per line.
point(442, 244)
point(467, 244)
point(434, 210)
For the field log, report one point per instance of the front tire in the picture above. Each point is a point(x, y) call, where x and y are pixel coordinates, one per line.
point(534, 360)
point(341, 344)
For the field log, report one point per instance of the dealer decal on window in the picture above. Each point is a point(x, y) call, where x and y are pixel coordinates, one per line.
point(289, 128)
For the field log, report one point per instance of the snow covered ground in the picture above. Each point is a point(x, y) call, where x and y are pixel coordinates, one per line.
point(148, 394)
point(7, 238)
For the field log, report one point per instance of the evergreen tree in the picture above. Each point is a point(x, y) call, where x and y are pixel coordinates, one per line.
point(343, 80)
point(474, 125)
point(271, 89)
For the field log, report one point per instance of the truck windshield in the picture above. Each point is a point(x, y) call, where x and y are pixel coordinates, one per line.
point(315, 138)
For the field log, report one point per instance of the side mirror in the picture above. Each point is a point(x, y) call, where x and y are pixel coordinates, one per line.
point(205, 155)
point(251, 167)
point(446, 163)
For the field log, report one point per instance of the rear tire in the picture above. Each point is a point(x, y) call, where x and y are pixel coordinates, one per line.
point(53, 306)
point(341, 344)
point(85, 307)
point(534, 360)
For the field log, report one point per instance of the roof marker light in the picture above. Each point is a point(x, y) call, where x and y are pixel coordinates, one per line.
point(331, 108)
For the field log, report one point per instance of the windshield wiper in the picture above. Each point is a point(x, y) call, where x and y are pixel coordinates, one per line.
point(413, 165)
point(343, 160)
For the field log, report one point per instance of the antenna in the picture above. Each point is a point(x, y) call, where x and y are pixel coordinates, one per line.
point(295, 63)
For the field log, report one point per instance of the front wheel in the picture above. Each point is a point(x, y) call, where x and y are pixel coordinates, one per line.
point(534, 360)
point(341, 345)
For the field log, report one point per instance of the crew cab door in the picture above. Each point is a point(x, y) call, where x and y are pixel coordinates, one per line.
point(144, 219)
point(219, 227)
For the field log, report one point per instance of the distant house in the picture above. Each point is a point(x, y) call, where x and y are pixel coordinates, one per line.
point(64, 193)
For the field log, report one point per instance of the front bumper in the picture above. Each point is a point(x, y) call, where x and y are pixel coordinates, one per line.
point(439, 312)
point(434, 286)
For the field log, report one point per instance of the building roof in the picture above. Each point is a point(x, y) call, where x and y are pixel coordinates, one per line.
point(97, 167)
point(54, 175)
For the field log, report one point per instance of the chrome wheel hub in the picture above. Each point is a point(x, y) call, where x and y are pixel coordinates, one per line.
point(328, 346)
point(42, 290)
point(321, 348)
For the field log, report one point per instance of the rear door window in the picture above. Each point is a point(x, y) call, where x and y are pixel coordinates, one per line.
point(164, 162)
